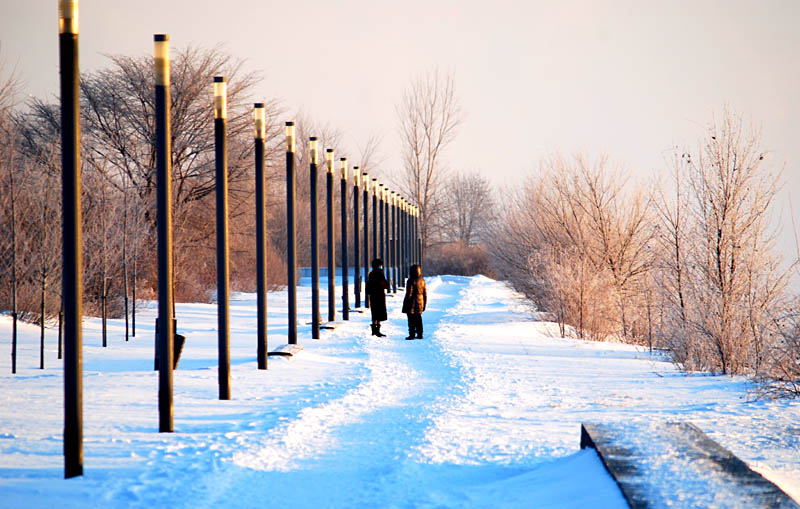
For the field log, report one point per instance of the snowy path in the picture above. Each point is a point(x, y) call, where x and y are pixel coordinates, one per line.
point(378, 435)
point(484, 411)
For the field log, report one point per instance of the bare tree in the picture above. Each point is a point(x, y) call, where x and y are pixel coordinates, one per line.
point(119, 115)
point(723, 284)
point(8, 217)
point(621, 231)
point(469, 209)
point(429, 116)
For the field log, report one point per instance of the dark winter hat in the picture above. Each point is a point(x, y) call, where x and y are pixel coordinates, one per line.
point(377, 263)
point(416, 271)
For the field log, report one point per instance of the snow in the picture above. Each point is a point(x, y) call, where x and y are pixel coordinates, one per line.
point(483, 412)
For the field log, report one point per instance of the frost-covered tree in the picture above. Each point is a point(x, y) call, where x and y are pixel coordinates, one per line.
point(723, 284)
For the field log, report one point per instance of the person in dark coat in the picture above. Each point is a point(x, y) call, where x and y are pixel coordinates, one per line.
point(376, 288)
point(415, 301)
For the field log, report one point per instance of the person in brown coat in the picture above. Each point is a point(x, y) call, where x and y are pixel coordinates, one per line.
point(376, 288)
point(415, 301)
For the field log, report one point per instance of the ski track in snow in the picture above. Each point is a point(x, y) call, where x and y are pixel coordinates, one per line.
point(312, 433)
point(485, 411)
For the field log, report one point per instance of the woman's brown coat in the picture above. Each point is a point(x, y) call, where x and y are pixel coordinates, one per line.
point(416, 294)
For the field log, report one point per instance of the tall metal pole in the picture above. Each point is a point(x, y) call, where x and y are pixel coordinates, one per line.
point(410, 215)
point(375, 214)
point(345, 268)
point(365, 259)
point(356, 239)
point(399, 241)
point(406, 236)
point(164, 226)
point(412, 235)
point(403, 260)
point(292, 232)
point(72, 262)
point(315, 319)
point(259, 120)
point(407, 223)
point(393, 245)
point(382, 213)
point(418, 226)
point(223, 268)
point(387, 261)
point(329, 158)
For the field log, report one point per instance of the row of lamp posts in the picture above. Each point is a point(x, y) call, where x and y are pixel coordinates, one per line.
point(394, 216)
point(394, 235)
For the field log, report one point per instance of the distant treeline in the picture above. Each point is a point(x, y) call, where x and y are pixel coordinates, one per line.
point(687, 264)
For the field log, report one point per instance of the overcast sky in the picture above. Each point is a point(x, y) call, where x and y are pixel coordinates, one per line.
point(625, 78)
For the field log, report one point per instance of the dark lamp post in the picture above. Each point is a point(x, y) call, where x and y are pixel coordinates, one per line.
point(408, 238)
point(223, 263)
point(387, 255)
point(313, 160)
point(292, 233)
point(259, 133)
point(375, 214)
point(356, 237)
point(393, 239)
point(345, 297)
point(381, 194)
point(365, 258)
point(403, 265)
point(329, 158)
point(166, 325)
point(72, 256)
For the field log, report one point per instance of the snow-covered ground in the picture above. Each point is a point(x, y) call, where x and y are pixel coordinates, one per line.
point(483, 412)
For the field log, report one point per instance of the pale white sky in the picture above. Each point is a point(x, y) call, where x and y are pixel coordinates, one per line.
point(628, 78)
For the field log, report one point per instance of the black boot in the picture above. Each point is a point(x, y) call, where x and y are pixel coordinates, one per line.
point(378, 331)
point(372, 327)
point(410, 337)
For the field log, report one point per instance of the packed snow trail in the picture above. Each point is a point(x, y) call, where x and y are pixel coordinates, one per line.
point(483, 412)
point(372, 438)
